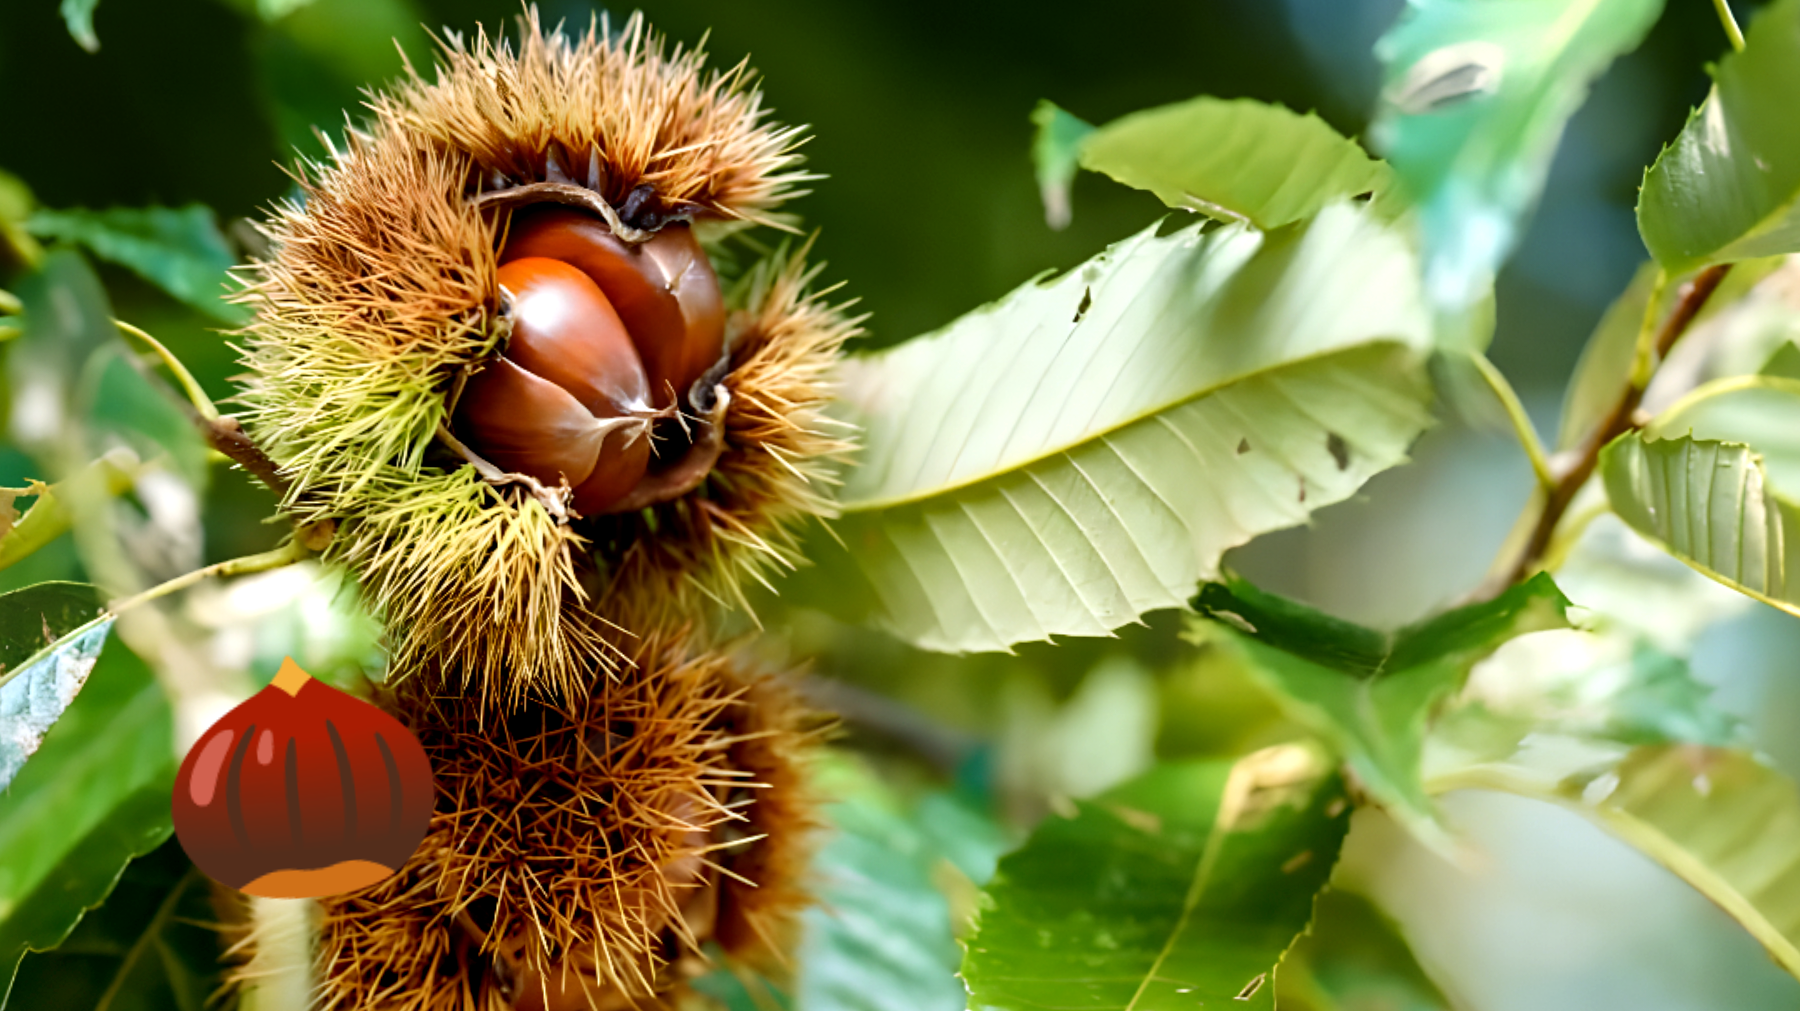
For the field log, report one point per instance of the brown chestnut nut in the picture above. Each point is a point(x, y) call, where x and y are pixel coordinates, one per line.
point(303, 791)
point(664, 289)
point(568, 399)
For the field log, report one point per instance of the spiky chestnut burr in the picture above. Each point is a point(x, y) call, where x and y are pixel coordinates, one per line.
point(581, 855)
point(381, 307)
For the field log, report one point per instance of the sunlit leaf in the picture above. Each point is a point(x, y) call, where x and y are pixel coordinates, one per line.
point(1179, 889)
point(78, 15)
point(1086, 449)
point(149, 948)
point(1729, 187)
point(48, 516)
point(178, 249)
point(1722, 820)
point(1605, 364)
point(95, 796)
point(1368, 693)
point(1235, 160)
point(1710, 504)
point(51, 635)
point(1476, 96)
point(1056, 151)
point(275, 10)
point(1354, 959)
point(17, 247)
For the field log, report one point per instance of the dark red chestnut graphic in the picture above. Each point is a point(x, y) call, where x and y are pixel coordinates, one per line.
point(303, 791)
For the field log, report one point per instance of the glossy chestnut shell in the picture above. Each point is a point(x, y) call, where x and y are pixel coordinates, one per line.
point(664, 289)
point(606, 338)
point(567, 402)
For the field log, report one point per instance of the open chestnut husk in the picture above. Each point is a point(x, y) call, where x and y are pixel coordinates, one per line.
point(605, 337)
point(303, 791)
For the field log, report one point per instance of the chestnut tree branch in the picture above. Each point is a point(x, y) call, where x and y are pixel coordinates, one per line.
point(227, 436)
point(1572, 475)
point(294, 550)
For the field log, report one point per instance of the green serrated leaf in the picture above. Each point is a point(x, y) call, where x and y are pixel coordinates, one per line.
point(51, 636)
point(1235, 160)
point(1624, 735)
point(1086, 449)
point(1710, 504)
point(178, 249)
point(882, 937)
point(1476, 96)
point(148, 948)
point(1729, 187)
point(1354, 958)
point(1368, 693)
point(1056, 151)
point(94, 797)
point(78, 15)
point(1179, 889)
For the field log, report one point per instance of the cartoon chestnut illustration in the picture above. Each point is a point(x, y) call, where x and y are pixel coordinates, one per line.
point(303, 791)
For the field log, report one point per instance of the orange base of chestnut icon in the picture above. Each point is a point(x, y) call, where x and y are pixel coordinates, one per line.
point(302, 791)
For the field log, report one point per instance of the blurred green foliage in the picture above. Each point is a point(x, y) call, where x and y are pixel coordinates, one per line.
point(920, 112)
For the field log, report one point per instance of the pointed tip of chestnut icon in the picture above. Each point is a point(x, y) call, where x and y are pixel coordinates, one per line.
point(303, 791)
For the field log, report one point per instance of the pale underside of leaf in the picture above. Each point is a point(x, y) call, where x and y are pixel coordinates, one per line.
point(1088, 540)
point(37, 693)
point(1085, 450)
point(1710, 504)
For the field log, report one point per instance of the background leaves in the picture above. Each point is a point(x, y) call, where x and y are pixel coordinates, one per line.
point(1728, 188)
point(152, 946)
point(178, 249)
point(1475, 99)
point(95, 796)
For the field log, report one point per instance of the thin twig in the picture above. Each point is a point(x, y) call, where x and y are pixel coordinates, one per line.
point(294, 550)
point(227, 436)
point(1732, 31)
point(196, 395)
point(1619, 420)
point(1521, 422)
